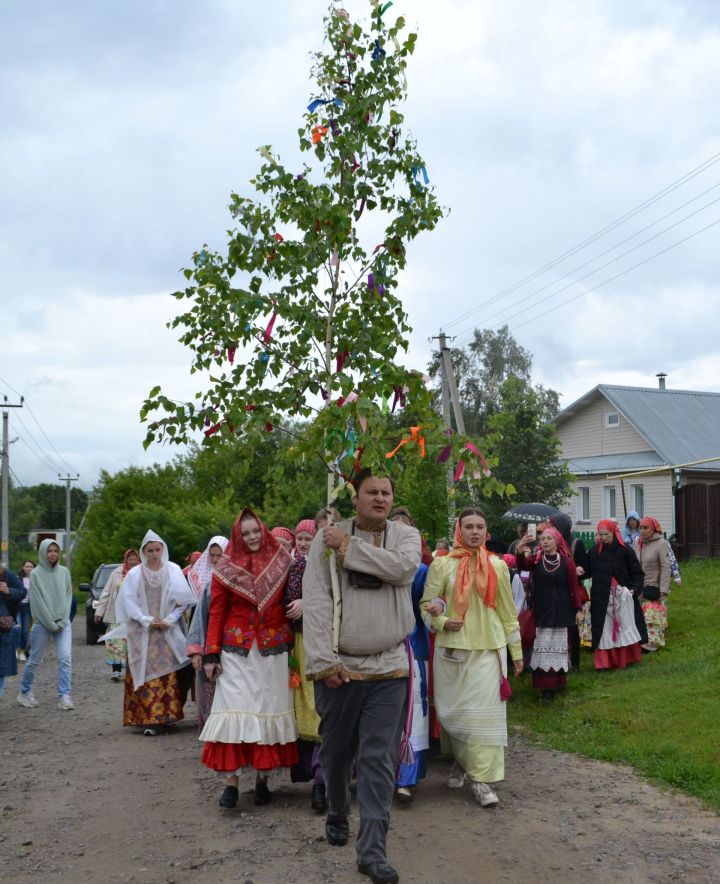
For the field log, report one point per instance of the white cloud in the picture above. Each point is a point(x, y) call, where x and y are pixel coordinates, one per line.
point(126, 129)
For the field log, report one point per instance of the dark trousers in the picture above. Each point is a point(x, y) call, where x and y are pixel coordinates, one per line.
point(362, 719)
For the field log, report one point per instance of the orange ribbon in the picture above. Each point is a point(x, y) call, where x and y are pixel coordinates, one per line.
point(415, 436)
point(317, 133)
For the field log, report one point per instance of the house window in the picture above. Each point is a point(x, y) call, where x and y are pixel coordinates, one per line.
point(583, 504)
point(609, 502)
point(612, 419)
point(637, 496)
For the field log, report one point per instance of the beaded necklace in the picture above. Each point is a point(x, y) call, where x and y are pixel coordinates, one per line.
point(551, 566)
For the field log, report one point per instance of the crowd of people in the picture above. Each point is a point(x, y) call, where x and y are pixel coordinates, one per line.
point(339, 649)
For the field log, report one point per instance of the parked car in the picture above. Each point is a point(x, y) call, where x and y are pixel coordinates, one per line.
point(94, 630)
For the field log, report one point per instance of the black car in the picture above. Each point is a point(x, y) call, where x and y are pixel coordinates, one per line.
point(94, 630)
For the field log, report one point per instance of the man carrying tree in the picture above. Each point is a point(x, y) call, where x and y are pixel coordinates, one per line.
point(361, 673)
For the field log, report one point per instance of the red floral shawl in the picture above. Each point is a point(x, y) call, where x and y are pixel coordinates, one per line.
point(258, 576)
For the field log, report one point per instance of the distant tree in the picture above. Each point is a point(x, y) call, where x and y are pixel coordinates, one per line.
point(528, 451)
point(482, 367)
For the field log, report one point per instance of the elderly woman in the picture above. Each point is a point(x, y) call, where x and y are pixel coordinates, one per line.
point(557, 601)
point(652, 551)
point(251, 723)
point(618, 626)
point(469, 604)
point(115, 648)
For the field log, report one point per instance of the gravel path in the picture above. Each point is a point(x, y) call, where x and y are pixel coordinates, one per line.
point(86, 800)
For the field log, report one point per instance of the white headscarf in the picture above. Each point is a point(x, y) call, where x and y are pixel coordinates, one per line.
point(201, 572)
point(132, 613)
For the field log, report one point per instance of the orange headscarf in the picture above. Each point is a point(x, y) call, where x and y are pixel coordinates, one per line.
point(480, 572)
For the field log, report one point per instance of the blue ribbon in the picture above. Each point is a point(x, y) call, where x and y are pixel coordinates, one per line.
point(420, 170)
point(378, 51)
point(318, 102)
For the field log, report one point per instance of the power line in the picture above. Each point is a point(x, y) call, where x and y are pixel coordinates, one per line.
point(594, 237)
point(14, 475)
point(602, 266)
point(32, 415)
point(47, 438)
point(40, 457)
point(612, 278)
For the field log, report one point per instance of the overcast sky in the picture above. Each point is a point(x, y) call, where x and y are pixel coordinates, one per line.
point(125, 126)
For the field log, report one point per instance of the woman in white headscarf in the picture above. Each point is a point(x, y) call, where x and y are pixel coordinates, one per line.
point(199, 576)
point(149, 606)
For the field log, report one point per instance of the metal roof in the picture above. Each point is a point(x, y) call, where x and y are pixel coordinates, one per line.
point(681, 425)
point(615, 463)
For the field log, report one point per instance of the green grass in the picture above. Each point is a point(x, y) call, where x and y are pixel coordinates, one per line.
point(662, 717)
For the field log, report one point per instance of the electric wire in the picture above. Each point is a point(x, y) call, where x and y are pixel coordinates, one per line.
point(595, 270)
point(693, 173)
point(62, 459)
point(611, 279)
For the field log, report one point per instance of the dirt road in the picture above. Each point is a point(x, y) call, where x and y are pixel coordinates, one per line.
point(85, 800)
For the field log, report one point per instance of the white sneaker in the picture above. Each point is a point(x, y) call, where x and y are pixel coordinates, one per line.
point(27, 699)
point(65, 702)
point(116, 676)
point(456, 779)
point(20, 656)
point(484, 794)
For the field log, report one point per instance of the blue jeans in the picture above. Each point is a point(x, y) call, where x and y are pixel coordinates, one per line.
point(39, 638)
point(22, 627)
point(2, 686)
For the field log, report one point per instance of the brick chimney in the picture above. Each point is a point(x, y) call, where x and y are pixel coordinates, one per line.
point(661, 379)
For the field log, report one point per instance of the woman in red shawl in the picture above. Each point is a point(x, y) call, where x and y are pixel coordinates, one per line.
point(557, 601)
point(115, 648)
point(246, 651)
point(618, 625)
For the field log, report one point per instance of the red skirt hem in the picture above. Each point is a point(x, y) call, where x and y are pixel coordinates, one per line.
point(617, 658)
point(229, 757)
point(548, 680)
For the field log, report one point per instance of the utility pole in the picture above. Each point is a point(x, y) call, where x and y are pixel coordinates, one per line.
point(449, 397)
point(68, 516)
point(5, 531)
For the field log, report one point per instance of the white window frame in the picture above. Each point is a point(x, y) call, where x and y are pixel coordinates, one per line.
point(634, 497)
point(583, 495)
point(609, 502)
point(612, 425)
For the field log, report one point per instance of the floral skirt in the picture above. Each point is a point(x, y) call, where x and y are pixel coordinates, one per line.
point(157, 702)
point(655, 614)
point(115, 649)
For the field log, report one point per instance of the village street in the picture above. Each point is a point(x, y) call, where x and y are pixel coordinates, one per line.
point(86, 800)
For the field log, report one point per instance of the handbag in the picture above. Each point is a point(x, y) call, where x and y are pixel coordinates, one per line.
point(526, 619)
point(6, 623)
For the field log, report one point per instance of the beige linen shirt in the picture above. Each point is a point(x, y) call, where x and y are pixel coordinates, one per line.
point(374, 622)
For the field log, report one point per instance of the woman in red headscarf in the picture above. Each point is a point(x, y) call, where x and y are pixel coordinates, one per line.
point(618, 625)
point(246, 651)
point(652, 551)
point(557, 600)
point(115, 648)
point(474, 629)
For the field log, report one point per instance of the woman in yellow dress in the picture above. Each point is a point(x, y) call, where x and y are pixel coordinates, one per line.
point(468, 604)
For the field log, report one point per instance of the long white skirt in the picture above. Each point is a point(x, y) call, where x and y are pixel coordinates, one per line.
point(469, 708)
point(253, 701)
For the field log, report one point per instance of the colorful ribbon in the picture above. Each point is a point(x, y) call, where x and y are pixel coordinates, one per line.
point(378, 51)
point(459, 471)
point(317, 133)
point(415, 436)
point(417, 171)
point(319, 102)
point(475, 450)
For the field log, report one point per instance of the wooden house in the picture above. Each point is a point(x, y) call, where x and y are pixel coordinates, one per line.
point(653, 450)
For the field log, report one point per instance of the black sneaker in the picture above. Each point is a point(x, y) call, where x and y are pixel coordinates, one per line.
point(229, 797)
point(262, 793)
point(379, 873)
point(318, 801)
